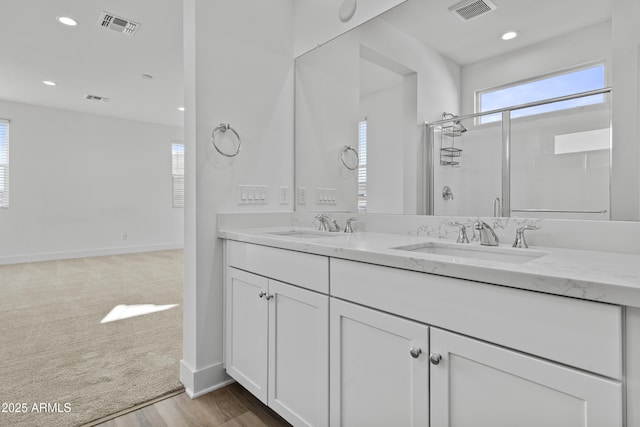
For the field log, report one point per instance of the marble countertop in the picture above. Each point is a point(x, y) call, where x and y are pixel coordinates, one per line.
point(591, 275)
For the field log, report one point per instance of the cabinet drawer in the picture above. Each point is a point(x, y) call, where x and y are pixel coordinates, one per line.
point(304, 270)
point(584, 334)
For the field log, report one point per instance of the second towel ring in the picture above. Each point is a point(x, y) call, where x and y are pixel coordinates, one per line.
point(223, 128)
point(346, 149)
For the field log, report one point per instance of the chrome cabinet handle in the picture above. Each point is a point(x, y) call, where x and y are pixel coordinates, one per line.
point(261, 294)
point(415, 352)
point(268, 296)
point(435, 358)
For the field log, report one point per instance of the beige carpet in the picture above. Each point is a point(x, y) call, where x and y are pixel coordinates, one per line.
point(54, 350)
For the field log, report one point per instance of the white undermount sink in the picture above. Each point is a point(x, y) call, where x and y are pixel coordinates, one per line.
point(486, 253)
point(304, 234)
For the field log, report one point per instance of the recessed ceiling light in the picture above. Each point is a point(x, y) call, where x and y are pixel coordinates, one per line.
point(181, 108)
point(509, 35)
point(67, 21)
point(49, 83)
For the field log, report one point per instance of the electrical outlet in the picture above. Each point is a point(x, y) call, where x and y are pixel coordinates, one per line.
point(123, 236)
point(302, 195)
point(284, 195)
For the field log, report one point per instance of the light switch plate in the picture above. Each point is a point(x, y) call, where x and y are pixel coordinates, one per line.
point(252, 194)
point(325, 196)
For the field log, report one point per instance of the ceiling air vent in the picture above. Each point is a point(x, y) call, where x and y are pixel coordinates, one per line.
point(470, 9)
point(117, 23)
point(96, 98)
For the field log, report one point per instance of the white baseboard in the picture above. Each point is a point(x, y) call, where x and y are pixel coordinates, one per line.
point(200, 382)
point(49, 256)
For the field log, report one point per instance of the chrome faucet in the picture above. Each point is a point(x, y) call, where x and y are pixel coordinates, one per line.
point(520, 241)
point(488, 237)
point(324, 222)
point(348, 228)
point(462, 232)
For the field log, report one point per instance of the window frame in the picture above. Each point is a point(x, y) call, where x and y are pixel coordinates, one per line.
point(177, 175)
point(565, 71)
point(362, 166)
point(5, 163)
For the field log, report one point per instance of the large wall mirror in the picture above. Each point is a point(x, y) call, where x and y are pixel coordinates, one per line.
point(362, 101)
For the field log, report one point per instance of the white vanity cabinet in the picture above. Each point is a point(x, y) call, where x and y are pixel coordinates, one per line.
point(478, 384)
point(247, 331)
point(386, 370)
point(379, 368)
point(277, 334)
point(334, 342)
point(551, 361)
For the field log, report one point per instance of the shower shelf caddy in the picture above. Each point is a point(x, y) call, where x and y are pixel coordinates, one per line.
point(449, 153)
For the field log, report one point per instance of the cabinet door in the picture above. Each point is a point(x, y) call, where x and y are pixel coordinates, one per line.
point(246, 330)
point(477, 384)
point(298, 354)
point(375, 380)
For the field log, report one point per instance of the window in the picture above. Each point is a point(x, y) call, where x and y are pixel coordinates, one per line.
point(561, 84)
point(362, 166)
point(4, 163)
point(177, 173)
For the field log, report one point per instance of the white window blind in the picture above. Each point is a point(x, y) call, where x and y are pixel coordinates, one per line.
point(4, 163)
point(362, 166)
point(177, 173)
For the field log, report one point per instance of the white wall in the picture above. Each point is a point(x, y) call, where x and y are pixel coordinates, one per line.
point(330, 76)
point(438, 86)
point(78, 181)
point(238, 70)
point(625, 179)
point(316, 22)
point(327, 76)
point(478, 180)
point(385, 149)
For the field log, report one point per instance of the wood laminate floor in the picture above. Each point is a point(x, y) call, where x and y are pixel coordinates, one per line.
point(230, 406)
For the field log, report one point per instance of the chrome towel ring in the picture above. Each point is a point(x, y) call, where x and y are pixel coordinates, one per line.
point(344, 151)
point(223, 128)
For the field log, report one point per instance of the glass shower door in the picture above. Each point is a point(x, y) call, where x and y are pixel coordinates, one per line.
point(560, 163)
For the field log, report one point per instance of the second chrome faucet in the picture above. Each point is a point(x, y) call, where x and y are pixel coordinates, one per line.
point(332, 225)
point(488, 237)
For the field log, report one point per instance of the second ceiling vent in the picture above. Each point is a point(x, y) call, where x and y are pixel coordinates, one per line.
point(470, 9)
point(117, 23)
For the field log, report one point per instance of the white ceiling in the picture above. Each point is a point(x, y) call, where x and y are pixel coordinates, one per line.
point(466, 42)
point(88, 59)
